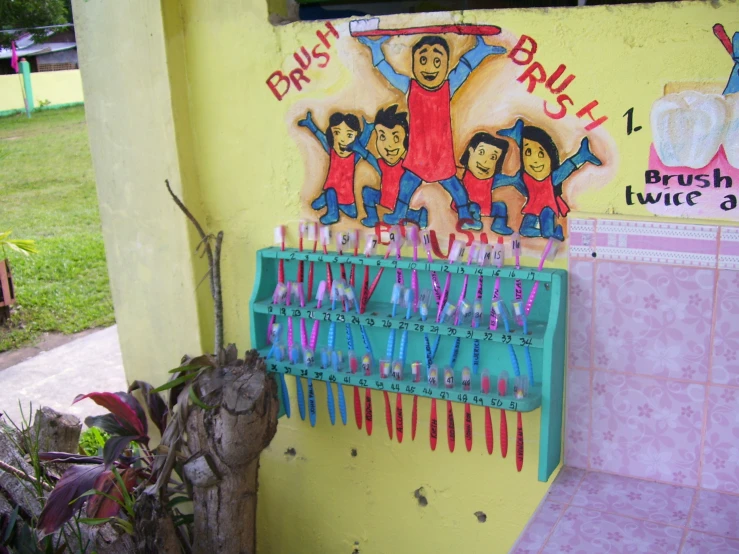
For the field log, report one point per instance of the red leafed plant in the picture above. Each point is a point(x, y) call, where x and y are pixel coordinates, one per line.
point(105, 485)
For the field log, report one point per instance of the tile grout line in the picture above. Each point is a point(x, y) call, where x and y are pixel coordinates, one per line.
point(591, 376)
point(565, 505)
point(659, 377)
point(714, 316)
point(687, 521)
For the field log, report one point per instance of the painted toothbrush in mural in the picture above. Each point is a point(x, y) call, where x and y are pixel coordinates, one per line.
point(371, 28)
point(430, 157)
point(337, 195)
point(732, 47)
point(541, 177)
point(399, 364)
point(549, 250)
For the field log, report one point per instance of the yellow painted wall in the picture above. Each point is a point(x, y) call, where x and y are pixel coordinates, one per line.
point(215, 128)
point(59, 87)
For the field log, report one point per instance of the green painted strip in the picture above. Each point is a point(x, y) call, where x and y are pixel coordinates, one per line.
point(6, 113)
point(406, 386)
point(508, 272)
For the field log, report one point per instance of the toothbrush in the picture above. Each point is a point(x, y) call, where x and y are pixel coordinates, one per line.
point(472, 255)
point(309, 355)
point(385, 364)
point(337, 293)
point(426, 240)
point(485, 389)
point(432, 374)
point(301, 263)
point(279, 238)
point(367, 358)
point(274, 334)
point(502, 385)
point(519, 390)
point(369, 250)
point(518, 287)
point(292, 354)
point(396, 241)
point(348, 293)
point(482, 258)
point(342, 239)
point(325, 234)
point(456, 251)
point(466, 386)
point(502, 312)
point(312, 235)
point(399, 364)
point(320, 294)
point(535, 288)
point(355, 241)
point(519, 311)
point(411, 233)
point(498, 259)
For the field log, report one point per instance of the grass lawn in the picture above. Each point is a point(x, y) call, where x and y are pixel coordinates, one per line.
point(47, 193)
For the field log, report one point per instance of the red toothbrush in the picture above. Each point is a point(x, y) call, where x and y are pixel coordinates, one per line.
point(502, 386)
point(485, 389)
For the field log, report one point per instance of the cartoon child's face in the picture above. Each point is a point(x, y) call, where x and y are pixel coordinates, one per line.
point(390, 143)
point(536, 161)
point(343, 137)
point(430, 66)
point(483, 160)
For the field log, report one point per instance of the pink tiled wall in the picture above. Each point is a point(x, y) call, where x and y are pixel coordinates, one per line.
point(653, 372)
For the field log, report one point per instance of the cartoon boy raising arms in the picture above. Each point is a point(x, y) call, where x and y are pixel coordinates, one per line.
point(541, 177)
point(391, 130)
point(430, 156)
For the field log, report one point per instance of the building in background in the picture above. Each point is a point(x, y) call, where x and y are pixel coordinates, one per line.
point(57, 51)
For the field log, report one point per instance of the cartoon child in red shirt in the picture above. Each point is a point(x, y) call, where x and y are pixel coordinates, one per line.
point(541, 177)
point(483, 162)
point(391, 130)
point(430, 156)
point(338, 190)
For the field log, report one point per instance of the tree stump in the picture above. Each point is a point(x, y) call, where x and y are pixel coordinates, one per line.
point(224, 445)
point(57, 432)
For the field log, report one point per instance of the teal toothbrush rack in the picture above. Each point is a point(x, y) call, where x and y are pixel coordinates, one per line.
point(545, 339)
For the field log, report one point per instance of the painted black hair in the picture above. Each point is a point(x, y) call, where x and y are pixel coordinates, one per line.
point(337, 118)
point(431, 41)
point(486, 138)
point(389, 117)
point(542, 137)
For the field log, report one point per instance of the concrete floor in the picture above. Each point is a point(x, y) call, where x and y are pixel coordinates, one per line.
point(54, 378)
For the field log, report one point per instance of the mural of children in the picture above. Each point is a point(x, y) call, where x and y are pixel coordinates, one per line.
point(430, 156)
point(391, 129)
point(541, 177)
point(483, 162)
point(338, 190)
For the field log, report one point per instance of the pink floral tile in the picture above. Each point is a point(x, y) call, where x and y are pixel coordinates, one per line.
point(634, 497)
point(721, 447)
point(725, 369)
point(648, 428)
point(579, 338)
point(565, 485)
point(582, 531)
point(538, 529)
point(717, 514)
point(653, 319)
point(700, 543)
point(577, 418)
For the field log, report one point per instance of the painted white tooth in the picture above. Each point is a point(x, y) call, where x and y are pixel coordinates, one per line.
point(731, 138)
point(372, 24)
point(688, 128)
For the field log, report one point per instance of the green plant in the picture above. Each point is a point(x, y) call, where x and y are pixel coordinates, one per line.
point(21, 246)
point(43, 103)
point(92, 441)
